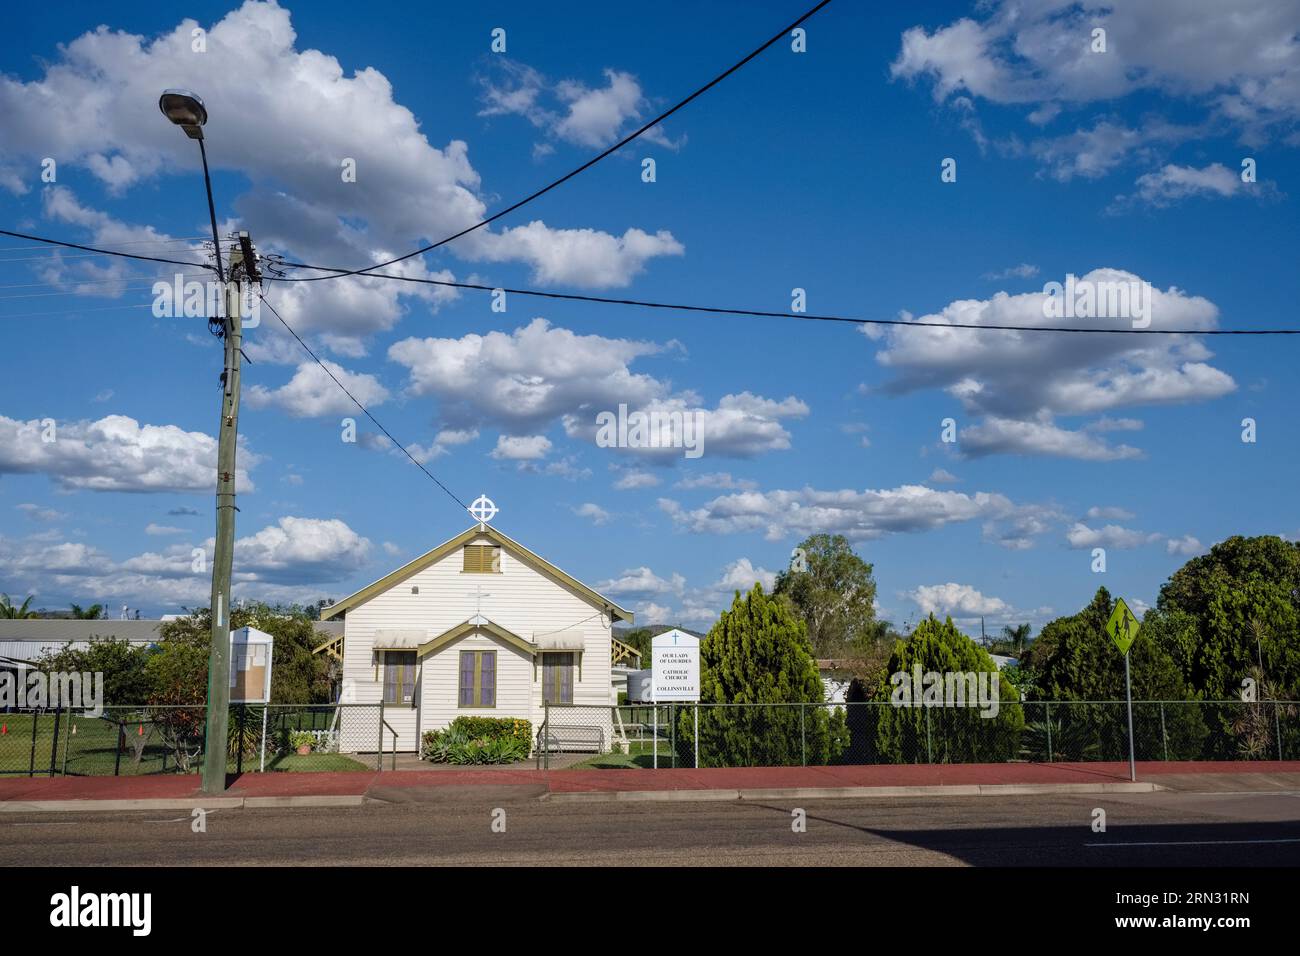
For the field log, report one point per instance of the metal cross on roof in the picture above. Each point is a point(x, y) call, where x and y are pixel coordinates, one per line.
point(483, 509)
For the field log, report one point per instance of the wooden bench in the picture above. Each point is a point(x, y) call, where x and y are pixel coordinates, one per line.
point(570, 738)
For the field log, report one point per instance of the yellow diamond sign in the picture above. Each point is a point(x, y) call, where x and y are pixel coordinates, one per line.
point(1122, 626)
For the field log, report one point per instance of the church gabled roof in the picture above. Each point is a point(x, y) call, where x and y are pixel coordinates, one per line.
point(454, 544)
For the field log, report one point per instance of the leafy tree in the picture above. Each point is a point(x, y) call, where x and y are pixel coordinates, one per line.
point(93, 613)
point(1074, 660)
point(1233, 608)
point(12, 612)
point(903, 734)
point(640, 639)
point(1014, 640)
point(834, 592)
point(297, 675)
point(124, 666)
point(758, 653)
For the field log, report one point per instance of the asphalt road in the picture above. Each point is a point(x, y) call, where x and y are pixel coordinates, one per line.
point(454, 827)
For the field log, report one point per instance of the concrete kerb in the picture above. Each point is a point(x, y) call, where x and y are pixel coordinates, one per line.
point(189, 803)
point(588, 796)
point(849, 793)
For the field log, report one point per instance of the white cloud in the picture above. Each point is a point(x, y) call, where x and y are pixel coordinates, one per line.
point(642, 582)
point(569, 110)
point(741, 575)
point(297, 550)
point(1081, 536)
point(1002, 436)
point(521, 447)
point(595, 512)
point(1240, 61)
point(586, 258)
point(1109, 513)
point(163, 529)
point(1172, 183)
point(941, 476)
point(117, 453)
point(37, 513)
point(1023, 271)
point(956, 600)
point(634, 478)
point(1022, 380)
point(538, 373)
point(1186, 546)
point(311, 392)
point(541, 374)
point(407, 189)
point(721, 480)
point(1095, 152)
point(286, 561)
point(858, 515)
point(741, 426)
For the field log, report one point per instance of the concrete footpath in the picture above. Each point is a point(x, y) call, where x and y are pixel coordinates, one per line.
point(253, 790)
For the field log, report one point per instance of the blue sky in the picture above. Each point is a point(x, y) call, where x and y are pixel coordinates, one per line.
point(817, 170)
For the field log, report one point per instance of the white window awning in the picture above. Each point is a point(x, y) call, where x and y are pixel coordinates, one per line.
point(560, 643)
point(410, 640)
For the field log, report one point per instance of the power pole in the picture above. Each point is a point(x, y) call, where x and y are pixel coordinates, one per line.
point(243, 266)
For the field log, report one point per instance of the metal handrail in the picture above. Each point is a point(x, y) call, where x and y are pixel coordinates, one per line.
point(394, 751)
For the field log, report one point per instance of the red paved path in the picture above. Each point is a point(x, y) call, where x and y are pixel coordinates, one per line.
point(573, 781)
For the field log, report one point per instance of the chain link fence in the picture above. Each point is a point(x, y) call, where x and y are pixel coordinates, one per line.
point(129, 741)
point(751, 735)
point(155, 739)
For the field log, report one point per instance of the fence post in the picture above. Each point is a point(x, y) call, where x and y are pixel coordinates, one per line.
point(54, 744)
point(1047, 709)
point(31, 768)
point(672, 732)
point(929, 752)
point(803, 734)
point(117, 758)
point(1277, 722)
point(697, 736)
point(239, 740)
point(379, 753)
point(546, 736)
point(1164, 736)
point(67, 738)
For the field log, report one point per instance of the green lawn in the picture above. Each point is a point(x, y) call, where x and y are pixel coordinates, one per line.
point(640, 754)
point(311, 763)
point(88, 746)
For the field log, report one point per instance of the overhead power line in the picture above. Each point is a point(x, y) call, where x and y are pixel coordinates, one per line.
point(784, 32)
point(363, 408)
point(102, 252)
point(808, 317)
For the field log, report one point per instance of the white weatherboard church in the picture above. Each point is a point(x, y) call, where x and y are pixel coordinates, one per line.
point(480, 625)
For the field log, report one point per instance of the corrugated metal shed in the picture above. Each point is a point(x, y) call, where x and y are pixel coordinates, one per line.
point(32, 639)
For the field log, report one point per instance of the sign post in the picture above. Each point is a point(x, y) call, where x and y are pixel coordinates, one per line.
point(1123, 629)
point(250, 673)
point(674, 677)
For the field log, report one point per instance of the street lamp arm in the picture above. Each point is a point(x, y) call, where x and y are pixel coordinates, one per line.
point(212, 211)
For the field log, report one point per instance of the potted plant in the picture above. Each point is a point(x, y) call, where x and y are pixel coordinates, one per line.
point(301, 741)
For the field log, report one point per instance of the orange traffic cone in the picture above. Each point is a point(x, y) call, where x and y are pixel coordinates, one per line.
point(142, 730)
point(4, 728)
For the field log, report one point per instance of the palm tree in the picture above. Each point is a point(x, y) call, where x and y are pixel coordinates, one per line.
point(92, 613)
point(10, 611)
point(1017, 636)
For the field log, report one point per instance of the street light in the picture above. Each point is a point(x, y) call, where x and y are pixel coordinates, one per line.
point(187, 111)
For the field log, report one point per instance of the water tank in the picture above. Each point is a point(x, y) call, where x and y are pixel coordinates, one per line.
point(640, 686)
